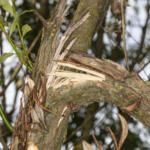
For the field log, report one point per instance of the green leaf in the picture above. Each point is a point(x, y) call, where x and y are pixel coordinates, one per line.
point(6, 6)
point(21, 56)
point(4, 56)
point(5, 120)
point(14, 24)
point(2, 21)
point(25, 29)
point(27, 11)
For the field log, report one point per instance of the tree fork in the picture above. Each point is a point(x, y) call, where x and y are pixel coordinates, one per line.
point(119, 86)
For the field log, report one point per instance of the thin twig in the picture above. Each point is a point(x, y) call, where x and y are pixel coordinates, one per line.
point(142, 41)
point(96, 142)
point(34, 41)
point(123, 32)
point(143, 67)
point(41, 18)
point(13, 76)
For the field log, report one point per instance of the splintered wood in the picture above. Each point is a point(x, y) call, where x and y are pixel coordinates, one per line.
point(83, 74)
point(79, 67)
point(60, 52)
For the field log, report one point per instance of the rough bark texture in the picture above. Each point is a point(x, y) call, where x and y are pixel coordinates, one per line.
point(84, 34)
point(119, 87)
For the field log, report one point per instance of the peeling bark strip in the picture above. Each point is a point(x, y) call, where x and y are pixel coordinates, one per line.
point(62, 116)
point(52, 67)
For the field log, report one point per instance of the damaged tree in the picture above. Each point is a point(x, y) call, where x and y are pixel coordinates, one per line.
point(65, 79)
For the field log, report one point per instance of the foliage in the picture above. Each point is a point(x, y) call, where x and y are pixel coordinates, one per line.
point(4, 56)
point(22, 55)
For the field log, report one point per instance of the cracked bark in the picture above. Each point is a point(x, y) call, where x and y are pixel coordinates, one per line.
point(120, 87)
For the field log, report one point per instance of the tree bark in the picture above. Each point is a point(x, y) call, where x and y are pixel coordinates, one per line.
point(116, 86)
point(119, 88)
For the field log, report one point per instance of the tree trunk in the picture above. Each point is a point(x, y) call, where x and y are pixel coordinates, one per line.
point(43, 119)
